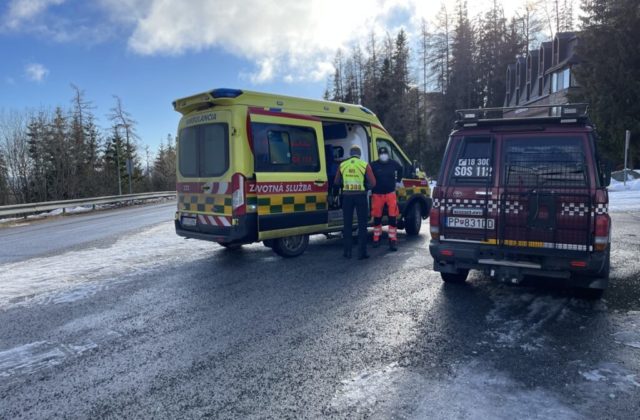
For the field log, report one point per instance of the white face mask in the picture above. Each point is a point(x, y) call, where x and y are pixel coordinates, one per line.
point(384, 157)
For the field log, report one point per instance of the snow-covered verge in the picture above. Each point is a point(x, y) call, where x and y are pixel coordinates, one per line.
point(56, 212)
point(77, 274)
point(76, 210)
point(624, 198)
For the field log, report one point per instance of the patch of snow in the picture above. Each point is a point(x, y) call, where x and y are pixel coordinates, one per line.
point(592, 375)
point(628, 329)
point(624, 201)
point(608, 376)
point(29, 358)
point(140, 252)
point(516, 320)
point(473, 391)
point(10, 219)
point(624, 198)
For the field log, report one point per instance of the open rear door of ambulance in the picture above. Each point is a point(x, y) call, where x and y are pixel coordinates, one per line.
point(291, 177)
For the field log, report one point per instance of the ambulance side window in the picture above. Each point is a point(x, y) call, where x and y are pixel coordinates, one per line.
point(285, 148)
point(395, 155)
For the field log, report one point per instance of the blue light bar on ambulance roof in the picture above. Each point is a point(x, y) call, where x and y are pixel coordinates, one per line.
point(225, 93)
point(366, 110)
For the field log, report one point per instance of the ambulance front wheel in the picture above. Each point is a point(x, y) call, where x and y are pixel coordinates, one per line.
point(291, 246)
point(413, 220)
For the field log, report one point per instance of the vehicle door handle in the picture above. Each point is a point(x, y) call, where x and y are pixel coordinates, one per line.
point(483, 192)
point(319, 182)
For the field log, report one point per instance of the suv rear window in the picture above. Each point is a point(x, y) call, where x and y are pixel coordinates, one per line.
point(545, 162)
point(473, 162)
point(203, 150)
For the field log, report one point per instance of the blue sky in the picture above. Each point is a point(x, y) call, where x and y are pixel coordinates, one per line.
point(150, 52)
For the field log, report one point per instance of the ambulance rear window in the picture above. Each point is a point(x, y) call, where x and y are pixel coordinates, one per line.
point(203, 150)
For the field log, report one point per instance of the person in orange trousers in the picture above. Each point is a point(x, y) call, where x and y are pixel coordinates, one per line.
point(388, 174)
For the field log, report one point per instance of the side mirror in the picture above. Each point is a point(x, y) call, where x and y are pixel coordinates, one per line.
point(605, 173)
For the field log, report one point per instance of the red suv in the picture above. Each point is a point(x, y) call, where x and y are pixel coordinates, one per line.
point(523, 196)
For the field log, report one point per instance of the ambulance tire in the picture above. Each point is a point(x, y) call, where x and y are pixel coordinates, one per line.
point(291, 246)
point(413, 220)
point(268, 243)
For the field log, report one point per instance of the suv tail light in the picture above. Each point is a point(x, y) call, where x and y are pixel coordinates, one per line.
point(238, 195)
point(434, 223)
point(601, 238)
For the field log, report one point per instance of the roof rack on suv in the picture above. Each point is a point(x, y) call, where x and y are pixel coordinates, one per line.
point(565, 113)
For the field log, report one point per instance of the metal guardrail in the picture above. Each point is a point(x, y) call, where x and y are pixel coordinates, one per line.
point(28, 208)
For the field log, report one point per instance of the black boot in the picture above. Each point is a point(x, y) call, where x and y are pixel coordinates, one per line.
point(376, 244)
point(346, 253)
point(363, 256)
point(393, 245)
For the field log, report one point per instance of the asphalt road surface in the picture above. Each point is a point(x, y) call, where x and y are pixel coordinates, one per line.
point(36, 238)
point(149, 325)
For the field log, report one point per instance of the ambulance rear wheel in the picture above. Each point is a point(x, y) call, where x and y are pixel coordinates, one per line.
point(413, 220)
point(268, 243)
point(291, 246)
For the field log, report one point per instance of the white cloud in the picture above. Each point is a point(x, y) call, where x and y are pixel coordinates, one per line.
point(290, 37)
point(36, 72)
point(20, 12)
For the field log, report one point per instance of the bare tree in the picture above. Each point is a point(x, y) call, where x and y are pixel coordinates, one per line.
point(123, 120)
point(13, 135)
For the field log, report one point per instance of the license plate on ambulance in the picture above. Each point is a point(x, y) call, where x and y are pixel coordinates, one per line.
point(470, 223)
point(188, 221)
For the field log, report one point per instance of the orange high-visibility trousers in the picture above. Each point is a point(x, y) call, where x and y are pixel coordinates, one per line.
point(378, 202)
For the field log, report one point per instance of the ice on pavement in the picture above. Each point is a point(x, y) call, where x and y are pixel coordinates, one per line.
point(31, 357)
point(132, 254)
point(474, 391)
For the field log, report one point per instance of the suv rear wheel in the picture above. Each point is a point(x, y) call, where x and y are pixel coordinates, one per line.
point(291, 246)
point(459, 277)
point(413, 219)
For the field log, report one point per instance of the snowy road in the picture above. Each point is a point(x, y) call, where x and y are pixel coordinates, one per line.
point(37, 238)
point(146, 324)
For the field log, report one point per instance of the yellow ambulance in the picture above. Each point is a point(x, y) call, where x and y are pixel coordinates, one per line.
point(260, 167)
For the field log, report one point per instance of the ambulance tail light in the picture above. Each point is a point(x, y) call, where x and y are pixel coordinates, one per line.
point(434, 223)
point(239, 203)
point(602, 234)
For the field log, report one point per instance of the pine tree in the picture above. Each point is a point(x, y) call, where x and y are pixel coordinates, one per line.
point(52, 150)
point(114, 165)
point(338, 82)
point(462, 87)
point(609, 72)
point(441, 50)
point(164, 167)
point(37, 129)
